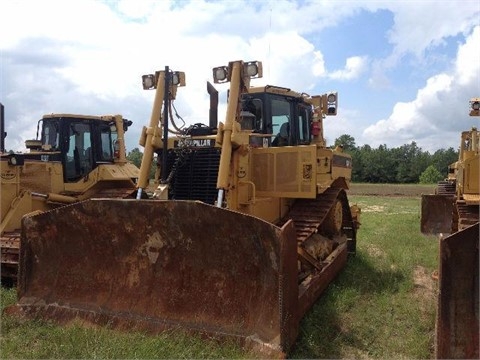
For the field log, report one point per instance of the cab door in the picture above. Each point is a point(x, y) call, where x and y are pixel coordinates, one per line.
point(78, 155)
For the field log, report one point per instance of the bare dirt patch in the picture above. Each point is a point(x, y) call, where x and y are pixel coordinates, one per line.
point(375, 252)
point(426, 287)
point(409, 190)
point(374, 209)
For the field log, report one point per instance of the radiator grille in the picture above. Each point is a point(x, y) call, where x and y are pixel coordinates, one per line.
point(193, 173)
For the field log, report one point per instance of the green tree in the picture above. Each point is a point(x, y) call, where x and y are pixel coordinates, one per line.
point(404, 164)
point(442, 158)
point(378, 164)
point(135, 156)
point(430, 176)
point(411, 162)
point(357, 165)
point(348, 144)
point(347, 141)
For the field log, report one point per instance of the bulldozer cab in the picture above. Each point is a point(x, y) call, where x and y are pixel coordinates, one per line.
point(83, 143)
point(277, 112)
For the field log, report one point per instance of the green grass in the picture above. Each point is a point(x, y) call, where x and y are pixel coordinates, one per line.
point(382, 305)
point(38, 339)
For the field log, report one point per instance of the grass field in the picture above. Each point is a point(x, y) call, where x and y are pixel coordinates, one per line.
point(382, 305)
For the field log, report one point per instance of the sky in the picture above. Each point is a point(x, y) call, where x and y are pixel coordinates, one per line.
point(404, 70)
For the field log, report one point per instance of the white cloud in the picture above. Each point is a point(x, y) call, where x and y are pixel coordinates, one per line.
point(467, 66)
point(417, 26)
point(88, 56)
point(135, 9)
point(354, 67)
point(440, 107)
point(421, 26)
point(318, 64)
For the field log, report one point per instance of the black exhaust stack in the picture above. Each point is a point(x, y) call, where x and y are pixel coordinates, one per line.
point(3, 133)
point(213, 115)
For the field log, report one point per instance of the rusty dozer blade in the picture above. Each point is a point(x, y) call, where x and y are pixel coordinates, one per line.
point(436, 214)
point(155, 265)
point(458, 306)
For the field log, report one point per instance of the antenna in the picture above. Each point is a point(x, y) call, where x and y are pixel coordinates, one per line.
point(269, 33)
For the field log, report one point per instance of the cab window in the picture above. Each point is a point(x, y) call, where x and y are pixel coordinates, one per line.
point(251, 115)
point(281, 114)
point(79, 156)
point(107, 138)
point(50, 133)
point(303, 124)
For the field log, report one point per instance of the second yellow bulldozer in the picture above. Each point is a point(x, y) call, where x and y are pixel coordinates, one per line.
point(249, 224)
point(73, 158)
point(453, 212)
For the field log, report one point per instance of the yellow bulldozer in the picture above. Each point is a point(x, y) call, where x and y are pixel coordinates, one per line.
point(453, 212)
point(249, 223)
point(73, 158)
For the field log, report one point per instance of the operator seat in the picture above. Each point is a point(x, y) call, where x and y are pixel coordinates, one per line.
point(282, 137)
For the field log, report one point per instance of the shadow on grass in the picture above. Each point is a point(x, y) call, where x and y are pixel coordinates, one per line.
point(326, 332)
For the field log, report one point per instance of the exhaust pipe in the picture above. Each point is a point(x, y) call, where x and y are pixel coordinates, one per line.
point(3, 133)
point(213, 115)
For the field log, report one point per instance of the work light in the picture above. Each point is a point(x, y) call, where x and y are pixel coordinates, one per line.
point(148, 82)
point(178, 78)
point(253, 69)
point(475, 107)
point(220, 74)
point(332, 103)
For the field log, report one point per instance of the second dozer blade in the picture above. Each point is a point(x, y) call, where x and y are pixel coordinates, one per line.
point(457, 327)
point(436, 214)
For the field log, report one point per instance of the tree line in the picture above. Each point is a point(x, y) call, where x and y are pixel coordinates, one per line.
point(405, 164)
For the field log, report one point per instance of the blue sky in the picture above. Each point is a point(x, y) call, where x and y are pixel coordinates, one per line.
point(404, 70)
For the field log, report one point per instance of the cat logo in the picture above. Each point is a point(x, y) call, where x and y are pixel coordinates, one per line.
point(307, 171)
point(200, 142)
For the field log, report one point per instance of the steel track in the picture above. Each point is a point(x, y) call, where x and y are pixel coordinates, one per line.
point(308, 215)
point(467, 215)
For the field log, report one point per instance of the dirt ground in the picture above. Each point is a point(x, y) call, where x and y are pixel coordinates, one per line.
point(414, 190)
point(426, 286)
